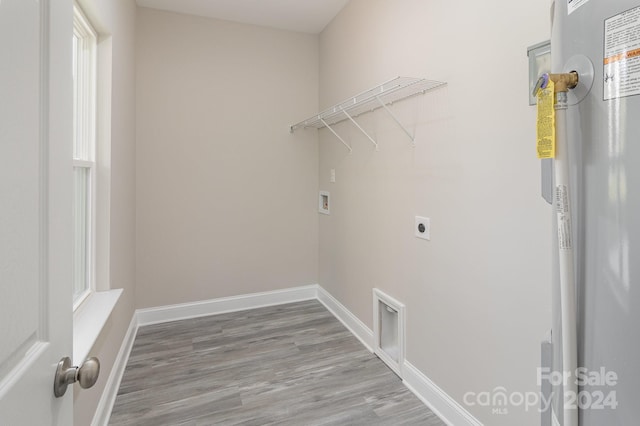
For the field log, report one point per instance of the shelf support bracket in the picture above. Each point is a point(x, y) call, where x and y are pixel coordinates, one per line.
point(413, 142)
point(336, 135)
point(360, 128)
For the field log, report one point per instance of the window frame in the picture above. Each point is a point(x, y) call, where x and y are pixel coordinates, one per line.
point(84, 152)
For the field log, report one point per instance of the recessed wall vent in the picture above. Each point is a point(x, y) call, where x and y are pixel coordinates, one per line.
point(389, 330)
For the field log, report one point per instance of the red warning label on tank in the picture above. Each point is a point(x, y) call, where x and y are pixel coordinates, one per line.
point(621, 73)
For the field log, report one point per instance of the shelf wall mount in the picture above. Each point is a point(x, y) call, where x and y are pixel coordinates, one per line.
point(380, 96)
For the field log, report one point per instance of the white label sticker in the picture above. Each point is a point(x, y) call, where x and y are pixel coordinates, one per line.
point(573, 5)
point(564, 217)
point(622, 55)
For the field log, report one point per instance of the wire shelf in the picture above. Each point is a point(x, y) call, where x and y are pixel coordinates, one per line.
point(380, 96)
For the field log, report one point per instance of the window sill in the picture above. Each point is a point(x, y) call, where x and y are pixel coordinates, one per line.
point(89, 319)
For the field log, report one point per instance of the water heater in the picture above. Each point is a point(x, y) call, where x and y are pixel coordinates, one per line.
point(600, 40)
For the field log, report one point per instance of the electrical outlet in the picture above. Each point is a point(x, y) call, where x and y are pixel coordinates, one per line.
point(423, 228)
point(332, 177)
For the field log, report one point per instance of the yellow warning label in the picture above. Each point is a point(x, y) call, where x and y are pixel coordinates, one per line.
point(546, 127)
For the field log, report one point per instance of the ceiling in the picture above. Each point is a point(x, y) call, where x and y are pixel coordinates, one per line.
point(308, 16)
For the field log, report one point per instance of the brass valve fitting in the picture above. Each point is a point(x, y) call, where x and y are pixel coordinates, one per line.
point(564, 82)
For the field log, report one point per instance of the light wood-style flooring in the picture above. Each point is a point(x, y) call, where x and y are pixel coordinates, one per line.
point(293, 364)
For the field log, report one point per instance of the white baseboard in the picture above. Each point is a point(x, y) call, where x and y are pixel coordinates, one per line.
point(243, 302)
point(353, 324)
point(436, 399)
point(428, 392)
point(108, 398)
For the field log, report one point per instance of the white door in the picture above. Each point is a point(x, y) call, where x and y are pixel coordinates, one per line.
point(35, 209)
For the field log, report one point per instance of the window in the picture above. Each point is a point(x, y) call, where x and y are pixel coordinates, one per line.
point(93, 297)
point(84, 150)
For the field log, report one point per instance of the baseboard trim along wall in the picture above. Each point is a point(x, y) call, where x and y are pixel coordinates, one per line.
point(435, 398)
point(353, 324)
point(108, 398)
point(223, 305)
point(428, 392)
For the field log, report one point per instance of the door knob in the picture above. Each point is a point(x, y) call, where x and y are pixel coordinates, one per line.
point(66, 374)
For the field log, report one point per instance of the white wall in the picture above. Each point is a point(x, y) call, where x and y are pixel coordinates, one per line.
point(477, 294)
point(226, 197)
point(115, 22)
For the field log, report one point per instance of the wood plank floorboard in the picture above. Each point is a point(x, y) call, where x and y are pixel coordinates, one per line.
point(293, 364)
